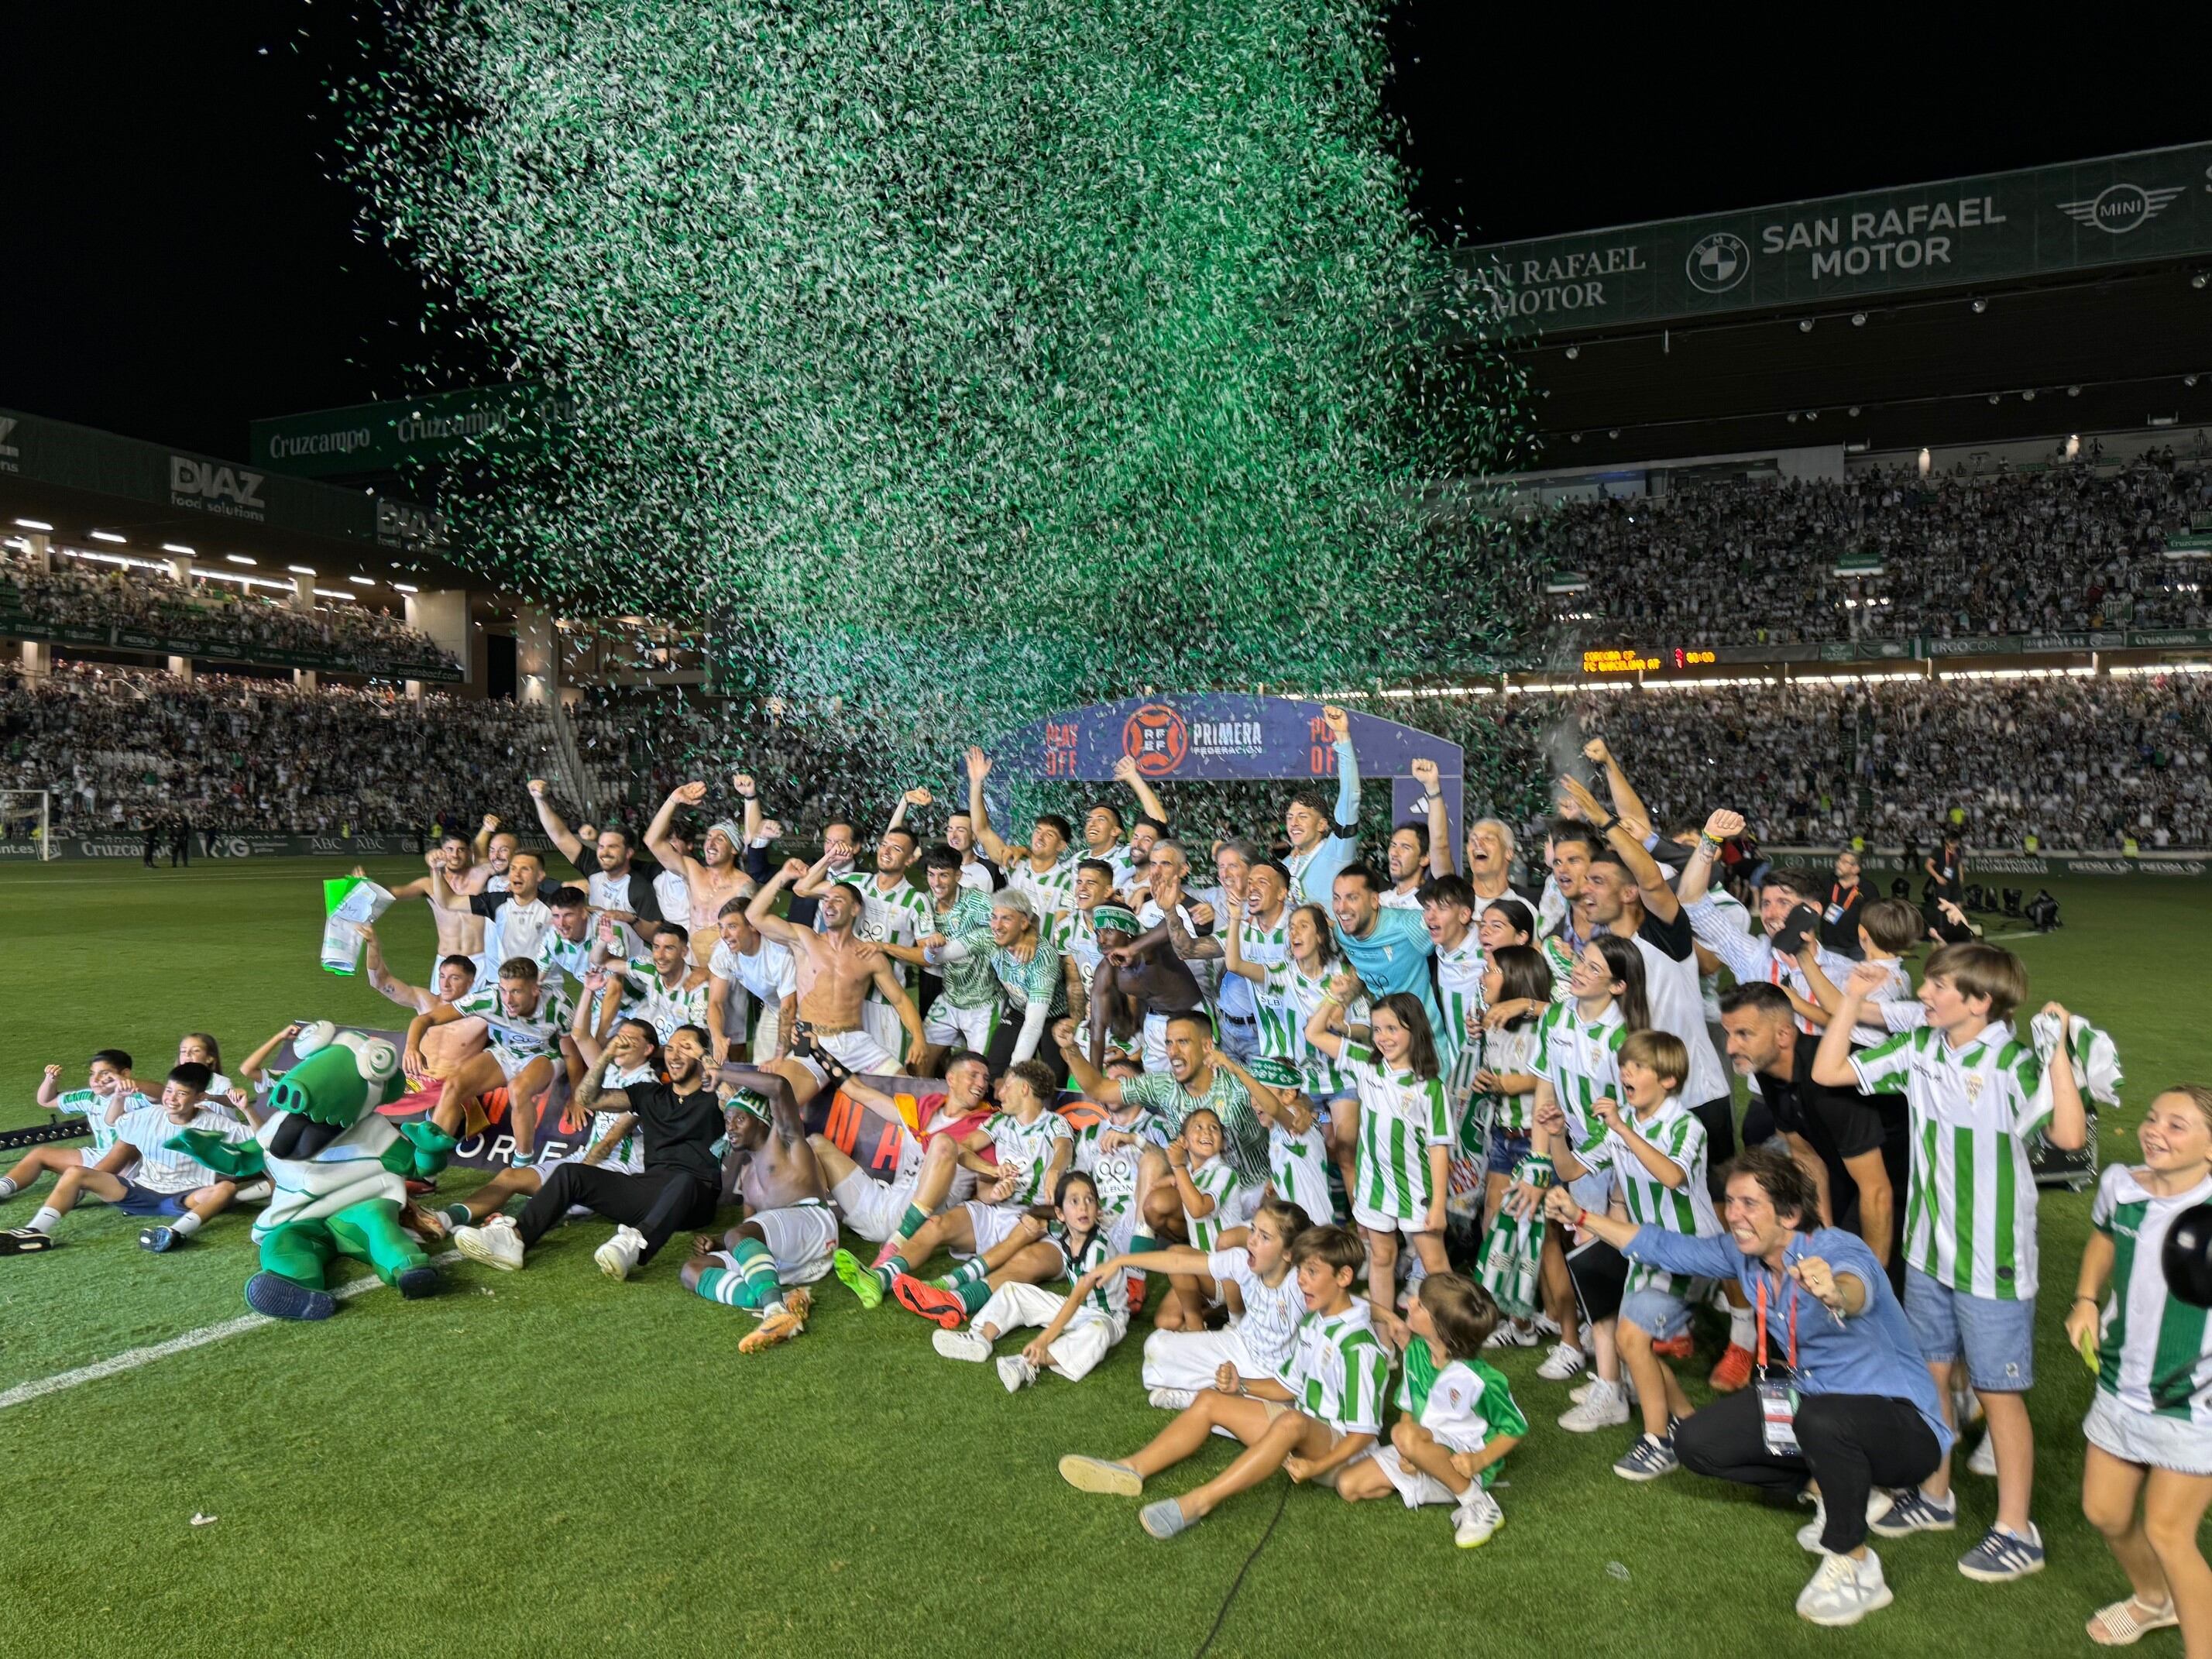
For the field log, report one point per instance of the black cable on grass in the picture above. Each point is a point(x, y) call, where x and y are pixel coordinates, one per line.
point(1238, 1583)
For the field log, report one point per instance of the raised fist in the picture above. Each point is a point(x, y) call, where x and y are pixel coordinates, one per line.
point(917, 796)
point(794, 868)
point(1595, 752)
point(1723, 824)
point(537, 789)
point(1424, 774)
point(1125, 768)
point(743, 783)
point(1339, 722)
point(691, 793)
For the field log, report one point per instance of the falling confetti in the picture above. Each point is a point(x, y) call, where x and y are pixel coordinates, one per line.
point(961, 361)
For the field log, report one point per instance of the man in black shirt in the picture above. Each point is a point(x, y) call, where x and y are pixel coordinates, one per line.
point(681, 1120)
point(1839, 911)
point(1840, 1136)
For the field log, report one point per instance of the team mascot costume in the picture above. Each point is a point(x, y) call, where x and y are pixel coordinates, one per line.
point(339, 1173)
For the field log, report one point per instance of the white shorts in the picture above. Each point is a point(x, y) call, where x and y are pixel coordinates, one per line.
point(1154, 1052)
point(1377, 1222)
point(946, 1026)
point(511, 1063)
point(2137, 1436)
point(870, 1208)
point(766, 1029)
point(994, 1224)
point(1415, 1485)
point(1191, 1359)
point(881, 1021)
point(801, 1238)
point(848, 1053)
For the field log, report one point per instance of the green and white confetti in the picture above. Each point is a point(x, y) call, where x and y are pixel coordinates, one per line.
point(968, 359)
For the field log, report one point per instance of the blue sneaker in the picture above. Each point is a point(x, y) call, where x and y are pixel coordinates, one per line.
point(1648, 1459)
point(1163, 1519)
point(279, 1297)
point(161, 1238)
point(2000, 1557)
point(1913, 1511)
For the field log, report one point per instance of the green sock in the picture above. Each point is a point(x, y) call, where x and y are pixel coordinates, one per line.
point(973, 1295)
point(761, 1288)
point(457, 1215)
point(972, 1269)
point(912, 1222)
point(891, 1270)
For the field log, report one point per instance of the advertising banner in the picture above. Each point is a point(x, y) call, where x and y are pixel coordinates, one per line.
point(1981, 865)
point(21, 624)
point(383, 437)
point(1996, 228)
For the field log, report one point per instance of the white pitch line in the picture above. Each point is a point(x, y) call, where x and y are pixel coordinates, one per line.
point(131, 1358)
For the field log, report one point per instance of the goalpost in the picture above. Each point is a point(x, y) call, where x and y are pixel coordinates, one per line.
point(27, 824)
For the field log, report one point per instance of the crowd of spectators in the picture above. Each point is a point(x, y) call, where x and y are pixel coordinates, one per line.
point(223, 620)
point(118, 749)
point(2071, 763)
point(2064, 548)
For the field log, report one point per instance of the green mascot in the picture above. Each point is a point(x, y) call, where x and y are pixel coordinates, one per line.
point(339, 1173)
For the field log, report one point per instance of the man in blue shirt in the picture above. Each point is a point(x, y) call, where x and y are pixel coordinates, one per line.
point(1321, 845)
point(1838, 1365)
point(1389, 950)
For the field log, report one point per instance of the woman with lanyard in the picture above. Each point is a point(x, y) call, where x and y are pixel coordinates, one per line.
point(1841, 1398)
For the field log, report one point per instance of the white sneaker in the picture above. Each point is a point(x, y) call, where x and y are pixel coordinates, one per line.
point(1476, 1518)
point(1808, 1535)
point(1546, 1326)
point(1603, 1407)
point(1562, 1362)
point(1016, 1372)
point(1171, 1399)
point(1509, 1334)
point(496, 1244)
point(1985, 1460)
point(1581, 1391)
point(1843, 1591)
point(960, 1345)
point(619, 1255)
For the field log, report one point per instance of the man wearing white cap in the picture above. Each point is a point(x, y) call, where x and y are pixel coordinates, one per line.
point(713, 878)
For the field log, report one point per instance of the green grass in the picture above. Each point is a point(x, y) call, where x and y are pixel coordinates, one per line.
point(550, 1462)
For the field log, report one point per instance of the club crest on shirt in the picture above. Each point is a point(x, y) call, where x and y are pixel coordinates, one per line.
point(1973, 1081)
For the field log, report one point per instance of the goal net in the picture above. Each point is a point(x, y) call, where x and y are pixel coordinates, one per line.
point(26, 824)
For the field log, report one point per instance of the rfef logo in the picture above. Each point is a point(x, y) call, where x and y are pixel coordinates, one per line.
point(1156, 737)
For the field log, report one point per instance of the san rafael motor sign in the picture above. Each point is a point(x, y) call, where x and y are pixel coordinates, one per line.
point(2121, 209)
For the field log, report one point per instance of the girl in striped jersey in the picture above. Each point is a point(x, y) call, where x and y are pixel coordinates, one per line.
point(1578, 1043)
point(1401, 1176)
point(1655, 1152)
point(2149, 1426)
point(1080, 1328)
point(1216, 1206)
point(1289, 994)
point(1517, 980)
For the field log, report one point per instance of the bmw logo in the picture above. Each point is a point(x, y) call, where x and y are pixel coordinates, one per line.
point(1719, 262)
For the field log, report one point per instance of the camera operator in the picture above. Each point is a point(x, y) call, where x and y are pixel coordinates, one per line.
point(1841, 1397)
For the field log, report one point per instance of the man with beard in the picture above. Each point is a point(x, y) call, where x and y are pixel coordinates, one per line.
point(1102, 825)
point(746, 964)
point(964, 1013)
point(929, 1174)
point(679, 1187)
point(894, 912)
point(715, 876)
point(833, 969)
point(1418, 852)
point(1044, 870)
point(1141, 984)
point(1322, 840)
point(460, 929)
point(617, 887)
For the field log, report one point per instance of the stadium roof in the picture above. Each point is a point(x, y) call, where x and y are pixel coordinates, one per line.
point(2013, 304)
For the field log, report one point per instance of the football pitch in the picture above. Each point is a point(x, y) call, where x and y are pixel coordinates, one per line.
point(552, 1462)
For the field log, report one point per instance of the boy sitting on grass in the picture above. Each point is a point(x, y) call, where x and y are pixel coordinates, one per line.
point(1081, 1328)
point(1320, 1412)
point(1459, 1419)
point(1204, 1200)
point(110, 1093)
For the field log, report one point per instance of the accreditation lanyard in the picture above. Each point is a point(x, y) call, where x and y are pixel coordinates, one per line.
point(1777, 1395)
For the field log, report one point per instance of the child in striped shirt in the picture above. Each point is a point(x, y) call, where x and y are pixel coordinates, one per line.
point(2149, 1426)
point(1971, 1089)
point(1321, 1411)
point(1264, 1303)
point(1216, 1206)
point(1080, 1328)
point(1457, 1417)
point(1654, 1151)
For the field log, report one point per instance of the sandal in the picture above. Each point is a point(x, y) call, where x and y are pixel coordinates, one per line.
point(2121, 1626)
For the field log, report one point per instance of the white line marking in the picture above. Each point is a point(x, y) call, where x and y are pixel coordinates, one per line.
point(131, 1358)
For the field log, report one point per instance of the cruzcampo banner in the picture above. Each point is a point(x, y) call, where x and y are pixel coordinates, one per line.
point(365, 438)
point(1993, 228)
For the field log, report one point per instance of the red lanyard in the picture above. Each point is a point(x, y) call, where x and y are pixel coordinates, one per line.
point(1762, 1325)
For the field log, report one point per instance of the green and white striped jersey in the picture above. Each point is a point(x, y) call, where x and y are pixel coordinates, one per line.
point(1459, 997)
point(663, 1002)
point(1226, 1096)
point(1027, 1149)
point(1559, 957)
point(1686, 1209)
point(2155, 1351)
point(1297, 1169)
point(899, 914)
point(1049, 891)
point(1216, 1179)
point(1401, 1115)
point(1037, 980)
point(1287, 999)
point(969, 983)
point(1115, 1173)
point(557, 955)
point(1263, 947)
point(1110, 1296)
point(1338, 1371)
point(1970, 1201)
point(1580, 1058)
point(524, 1035)
point(1508, 1052)
point(93, 1107)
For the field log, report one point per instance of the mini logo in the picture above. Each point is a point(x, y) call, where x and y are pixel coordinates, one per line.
point(2119, 209)
point(1717, 263)
point(1156, 737)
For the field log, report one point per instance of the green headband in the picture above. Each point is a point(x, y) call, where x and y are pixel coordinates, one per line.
point(752, 1101)
point(1116, 917)
point(1275, 1073)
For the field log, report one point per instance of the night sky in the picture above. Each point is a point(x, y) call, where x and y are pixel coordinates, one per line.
point(176, 261)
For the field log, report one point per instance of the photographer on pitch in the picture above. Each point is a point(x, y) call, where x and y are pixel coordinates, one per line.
point(1840, 1397)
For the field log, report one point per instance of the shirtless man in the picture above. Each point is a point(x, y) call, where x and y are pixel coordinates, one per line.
point(460, 930)
point(716, 876)
point(447, 1048)
point(1141, 983)
point(834, 971)
point(789, 1232)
